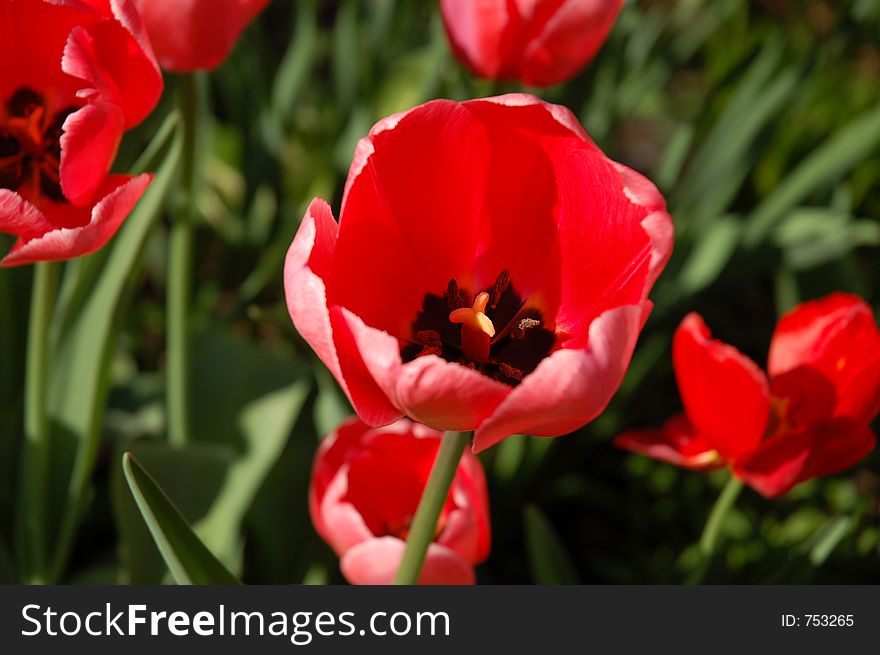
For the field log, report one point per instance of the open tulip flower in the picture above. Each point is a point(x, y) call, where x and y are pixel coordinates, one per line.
point(539, 42)
point(74, 75)
point(190, 35)
point(808, 417)
point(489, 271)
point(366, 484)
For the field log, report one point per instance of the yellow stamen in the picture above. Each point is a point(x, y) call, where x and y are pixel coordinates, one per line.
point(476, 329)
point(28, 129)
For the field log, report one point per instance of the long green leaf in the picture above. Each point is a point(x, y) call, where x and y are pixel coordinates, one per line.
point(188, 559)
point(191, 476)
point(827, 538)
point(297, 61)
point(82, 360)
point(814, 551)
point(839, 154)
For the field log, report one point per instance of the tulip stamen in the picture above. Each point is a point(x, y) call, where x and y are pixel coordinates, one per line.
point(30, 146)
point(493, 332)
point(477, 329)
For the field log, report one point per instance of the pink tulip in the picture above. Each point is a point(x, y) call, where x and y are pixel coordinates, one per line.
point(365, 488)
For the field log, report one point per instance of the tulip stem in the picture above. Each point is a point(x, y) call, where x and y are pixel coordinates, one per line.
point(709, 539)
point(35, 456)
point(180, 257)
point(424, 525)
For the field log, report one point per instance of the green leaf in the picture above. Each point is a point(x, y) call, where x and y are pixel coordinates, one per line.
point(81, 361)
point(298, 59)
point(188, 559)
point(191, 476)
point(346, 55)
point(721, 164)
point(813, 551)
point(241, 424)
point(811, 237)
point(827, 538)
point(266, 424)
point(825, 165)
point(710, 255)
point(550, 562)
point(675, 154)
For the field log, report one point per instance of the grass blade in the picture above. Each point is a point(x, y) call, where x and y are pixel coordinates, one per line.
point(83, 356)
point(188, 559)
point(838, 155)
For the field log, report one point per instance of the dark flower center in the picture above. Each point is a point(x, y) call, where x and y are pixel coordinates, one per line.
point(492, 332)
point(30, 145)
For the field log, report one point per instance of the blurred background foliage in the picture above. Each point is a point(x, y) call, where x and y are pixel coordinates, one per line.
point(759, 121)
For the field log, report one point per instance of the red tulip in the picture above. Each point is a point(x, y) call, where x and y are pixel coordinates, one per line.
point(539, 42)
point(807, 418)
point(191, 35)
point(365, 488)
point(490, 270)
point(74, 75)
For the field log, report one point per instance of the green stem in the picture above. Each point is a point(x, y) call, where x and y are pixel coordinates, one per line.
point(424, 525)
point(709, 539)
point(180, 258)
point(35, 457)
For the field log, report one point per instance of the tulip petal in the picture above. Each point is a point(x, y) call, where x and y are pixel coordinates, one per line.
point(860, 399)
point(119, 196)
point(476, 31)
point(675, 443)
point(837, 337)
point(467, 526)
point(571, 387)
point(604, 262)
point(21, 218)
point(521, 193)
point(32, 37)
point(562, 43)
point(725, 395)
point(368, 362)
point(307, 264)
point(657, 223)
point(341, 525)
point(472, 481)
point(445, 395)
point(581, 266)
point(333, 451)
point(784, 460)
point(460, 533)
point(115, 58)
point(190, 35)
point(88, 147)
point(375, 562)
point(411, 215)
point(803, 333)
point(560, 113)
